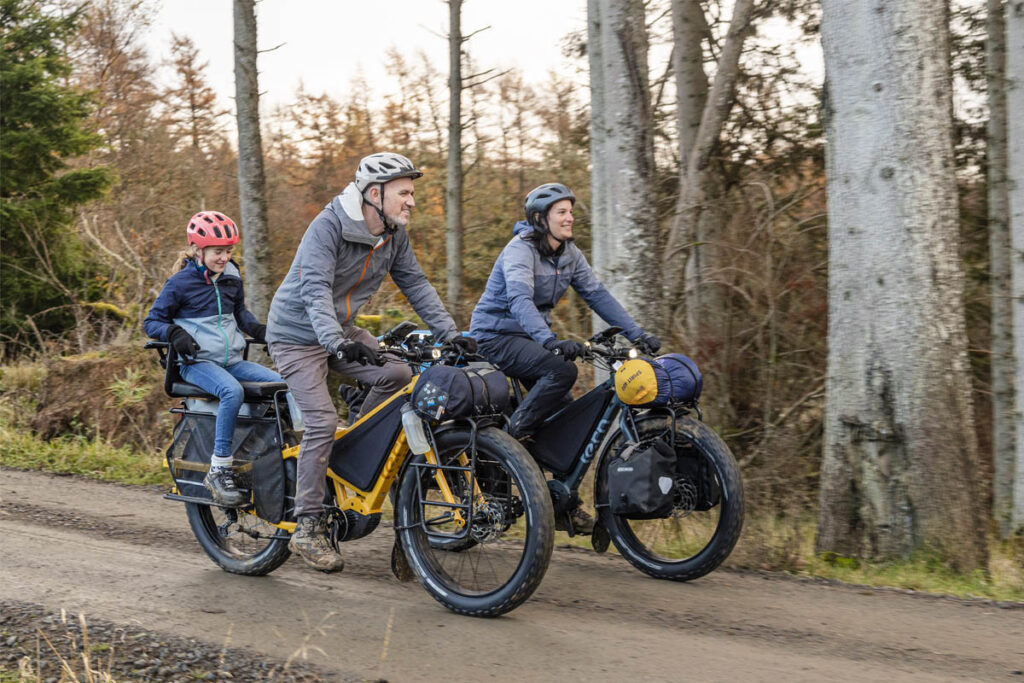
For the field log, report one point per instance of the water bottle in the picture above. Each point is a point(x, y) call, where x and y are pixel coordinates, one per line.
point(414, 432)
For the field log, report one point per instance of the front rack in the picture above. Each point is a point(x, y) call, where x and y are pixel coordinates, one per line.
point(439, 473)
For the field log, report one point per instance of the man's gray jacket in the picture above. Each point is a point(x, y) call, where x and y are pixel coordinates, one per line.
point(337, 268)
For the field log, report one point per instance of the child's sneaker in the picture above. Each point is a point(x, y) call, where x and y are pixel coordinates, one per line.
point(220, 482)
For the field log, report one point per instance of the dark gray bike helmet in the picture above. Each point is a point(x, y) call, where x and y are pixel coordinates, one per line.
point(380, 168)
point(540, 199)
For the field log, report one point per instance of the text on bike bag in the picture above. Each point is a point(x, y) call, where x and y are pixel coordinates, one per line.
point(672, 378)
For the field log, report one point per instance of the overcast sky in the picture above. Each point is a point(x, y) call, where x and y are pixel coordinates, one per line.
point(326, 43)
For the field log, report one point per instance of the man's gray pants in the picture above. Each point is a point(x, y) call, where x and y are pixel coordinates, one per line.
point(304, 368)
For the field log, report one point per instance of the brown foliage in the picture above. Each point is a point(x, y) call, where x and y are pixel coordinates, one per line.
point(116, 394)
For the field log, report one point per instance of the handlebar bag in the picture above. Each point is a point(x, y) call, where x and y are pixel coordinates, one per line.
point(444, 393)
point(671, 378)
point(641, 480)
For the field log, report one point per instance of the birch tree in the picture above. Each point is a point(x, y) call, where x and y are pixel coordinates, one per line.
point(251, 183)
point(624, 230)
point(1003, 442)
point(1015, 183)
point(453, 194)
point(900, 463)
point(698, 134)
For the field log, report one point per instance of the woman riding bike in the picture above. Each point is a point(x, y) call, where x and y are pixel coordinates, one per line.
point(512, 320)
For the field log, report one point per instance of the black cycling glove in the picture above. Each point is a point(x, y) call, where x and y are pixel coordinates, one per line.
point(182, 342)
point(259, 334)
point(566, 348)
point(649, 343)
point(464, 344)
point(352, 351)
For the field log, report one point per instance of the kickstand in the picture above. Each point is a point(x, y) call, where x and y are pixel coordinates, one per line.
point(400, 563)
point(600, 538)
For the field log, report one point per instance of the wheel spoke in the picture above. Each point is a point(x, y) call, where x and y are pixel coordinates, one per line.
point(500, 560)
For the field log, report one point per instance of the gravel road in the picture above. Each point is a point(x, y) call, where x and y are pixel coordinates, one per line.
point(125, 559)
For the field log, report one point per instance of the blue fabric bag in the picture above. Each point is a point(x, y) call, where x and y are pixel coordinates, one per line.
point(679, 379)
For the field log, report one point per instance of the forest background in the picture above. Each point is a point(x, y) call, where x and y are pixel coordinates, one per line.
point(141, 141)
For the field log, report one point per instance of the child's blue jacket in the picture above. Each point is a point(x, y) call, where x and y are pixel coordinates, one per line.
point(212, 311)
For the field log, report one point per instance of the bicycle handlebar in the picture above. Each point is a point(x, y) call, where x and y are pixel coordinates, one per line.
point(612, 353)
point(447, 353)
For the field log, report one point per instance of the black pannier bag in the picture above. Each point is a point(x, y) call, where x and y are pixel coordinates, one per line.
point(256, 452)
point(641, 480)
point(444, 393)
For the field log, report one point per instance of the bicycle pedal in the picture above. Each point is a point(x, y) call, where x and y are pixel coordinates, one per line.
point(400, 564)
point(600, 539)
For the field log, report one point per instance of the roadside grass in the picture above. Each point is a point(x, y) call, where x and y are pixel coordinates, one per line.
point(786, 545)
point(92, 457)
point(1004, 580)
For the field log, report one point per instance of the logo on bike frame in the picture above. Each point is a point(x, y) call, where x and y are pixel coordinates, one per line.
point(595, 440)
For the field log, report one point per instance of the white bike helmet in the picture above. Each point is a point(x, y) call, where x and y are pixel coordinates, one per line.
point(382, 167)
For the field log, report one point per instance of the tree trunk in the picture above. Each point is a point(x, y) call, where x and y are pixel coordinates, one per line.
point(1015, 183)
point(622, 152)
point(251, 184)
point(453, 195)
point(1003, 441)
point(600, 205)
point(692, 168)
point(900, 466)
point(689, 31)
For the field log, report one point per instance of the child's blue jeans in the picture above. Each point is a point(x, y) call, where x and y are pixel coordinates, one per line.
point(223, 383)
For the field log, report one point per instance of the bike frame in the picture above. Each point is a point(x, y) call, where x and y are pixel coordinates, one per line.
point(588, 448)
point(370, 501)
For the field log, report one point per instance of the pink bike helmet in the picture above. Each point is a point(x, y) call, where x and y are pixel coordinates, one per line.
point(211, 229)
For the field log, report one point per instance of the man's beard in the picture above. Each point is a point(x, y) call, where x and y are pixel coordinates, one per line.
point(397, 220)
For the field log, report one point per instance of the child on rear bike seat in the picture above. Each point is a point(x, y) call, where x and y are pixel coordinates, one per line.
point(199, 313)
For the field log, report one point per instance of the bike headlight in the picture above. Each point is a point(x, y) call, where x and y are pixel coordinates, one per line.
point(633, 353)
point(435, 353)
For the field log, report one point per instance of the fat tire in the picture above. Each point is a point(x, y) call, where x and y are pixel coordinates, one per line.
point(272, 556)
point(539, 542)
point(710, 445)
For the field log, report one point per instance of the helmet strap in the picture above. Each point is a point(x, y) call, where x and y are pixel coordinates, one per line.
point(388, 226)
point(546, 229)
point(201, 264)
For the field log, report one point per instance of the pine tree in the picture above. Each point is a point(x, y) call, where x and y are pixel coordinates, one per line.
point(43, 124)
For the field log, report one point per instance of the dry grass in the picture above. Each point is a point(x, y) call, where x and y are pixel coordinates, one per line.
point(787, 544)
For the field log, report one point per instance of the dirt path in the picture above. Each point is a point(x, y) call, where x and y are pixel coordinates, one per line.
point(126, 555)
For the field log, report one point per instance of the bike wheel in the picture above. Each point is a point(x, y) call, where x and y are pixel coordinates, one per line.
point(243, 545)
point(510, 524)
point(705, 523)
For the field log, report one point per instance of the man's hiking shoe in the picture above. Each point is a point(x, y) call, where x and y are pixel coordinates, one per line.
point(221, 485)
point(312, 545)
point(582, 521)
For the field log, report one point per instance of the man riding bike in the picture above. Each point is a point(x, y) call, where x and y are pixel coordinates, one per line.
point(512, 320)
point(341, 261)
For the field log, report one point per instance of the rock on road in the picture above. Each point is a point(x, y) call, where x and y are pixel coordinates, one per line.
point(125, 555)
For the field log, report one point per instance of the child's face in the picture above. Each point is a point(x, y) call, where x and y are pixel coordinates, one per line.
point(216, 258)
